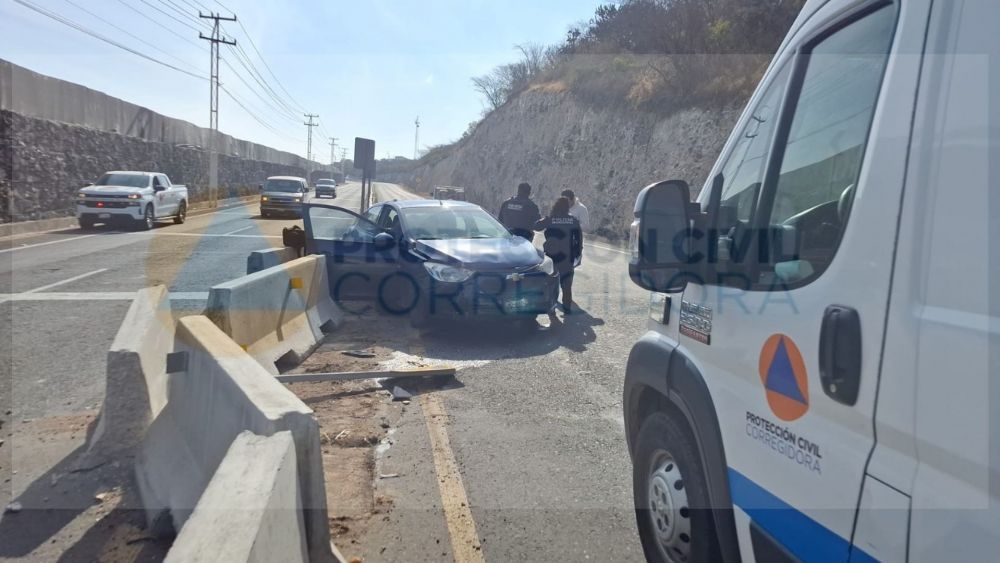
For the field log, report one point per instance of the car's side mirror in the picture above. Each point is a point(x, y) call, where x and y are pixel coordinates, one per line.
point(384, 241)
point(260, 187)
point(158, 188)
point(663, 255)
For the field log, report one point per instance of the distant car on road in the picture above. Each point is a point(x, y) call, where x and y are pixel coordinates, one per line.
point(132, 197)
point(431, 259)
point(326, 187)
point(449, 192)
point(283, 195)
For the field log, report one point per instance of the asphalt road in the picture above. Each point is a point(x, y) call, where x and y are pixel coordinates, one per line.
point(534, 423)
point(535, 428)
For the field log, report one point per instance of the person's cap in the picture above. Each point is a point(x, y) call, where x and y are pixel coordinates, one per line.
point(524, 188)
point(569, 194)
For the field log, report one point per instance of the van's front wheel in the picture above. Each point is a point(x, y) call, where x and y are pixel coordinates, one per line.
point(672, 506)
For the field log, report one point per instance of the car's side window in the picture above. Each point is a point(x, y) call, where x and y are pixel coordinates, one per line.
point(743, 171)
point(373, 213)
point(821, 153)
point(330, 224)
point(390, 222)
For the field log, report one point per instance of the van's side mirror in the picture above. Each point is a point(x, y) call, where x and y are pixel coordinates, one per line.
point(260, 187)
point(663, 255)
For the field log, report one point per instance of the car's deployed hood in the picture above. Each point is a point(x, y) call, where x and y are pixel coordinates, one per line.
point(115, 190)
point(511, 253)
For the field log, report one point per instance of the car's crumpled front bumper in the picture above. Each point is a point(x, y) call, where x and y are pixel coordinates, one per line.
point(495, 295)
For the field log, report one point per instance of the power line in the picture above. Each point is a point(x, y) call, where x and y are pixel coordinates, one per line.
point(247, 64)
point(171, 16)
point(267, 66)
point(256, 118)
point(78, 27)
point(148, 17)
point(182, 12)
point(255, 92)
point(126, 32)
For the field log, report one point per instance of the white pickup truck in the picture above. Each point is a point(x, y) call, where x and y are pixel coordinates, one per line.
point(134, 197)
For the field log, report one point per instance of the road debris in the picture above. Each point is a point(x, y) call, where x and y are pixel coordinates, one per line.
point(388, 475)
point(359, 353)
point(13, 508)
point(355, 375)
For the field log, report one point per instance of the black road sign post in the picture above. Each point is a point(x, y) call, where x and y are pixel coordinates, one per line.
point(364, 158)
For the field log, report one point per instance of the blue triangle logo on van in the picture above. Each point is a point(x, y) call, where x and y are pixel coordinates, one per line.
point(781, 377)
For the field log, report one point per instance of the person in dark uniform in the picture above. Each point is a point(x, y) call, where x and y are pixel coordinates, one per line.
point(564, 245)
point(519, 213)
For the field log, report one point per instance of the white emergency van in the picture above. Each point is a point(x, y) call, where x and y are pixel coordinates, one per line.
point(819, 378)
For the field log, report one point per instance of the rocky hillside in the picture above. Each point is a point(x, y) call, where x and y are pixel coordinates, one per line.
point(554, 141)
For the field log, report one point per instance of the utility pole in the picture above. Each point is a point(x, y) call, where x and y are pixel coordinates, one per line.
point(213, 104)
point(309, 142)
point(416, 138)
point(333, 155)
point(343, 158)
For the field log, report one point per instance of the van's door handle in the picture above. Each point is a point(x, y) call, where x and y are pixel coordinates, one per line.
point(840, 354)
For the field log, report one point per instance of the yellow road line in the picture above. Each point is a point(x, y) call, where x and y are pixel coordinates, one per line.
point(461, 527)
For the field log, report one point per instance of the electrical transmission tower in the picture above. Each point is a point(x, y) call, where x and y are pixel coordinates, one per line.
point(213, 114)
point(215, 40)
point(309, 141)
point(416, 138)
point(333, 154)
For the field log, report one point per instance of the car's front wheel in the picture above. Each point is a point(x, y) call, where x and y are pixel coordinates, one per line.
point(148, 219)
point(672, 506)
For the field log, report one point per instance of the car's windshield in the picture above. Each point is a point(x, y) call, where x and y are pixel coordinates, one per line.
point(125, 180)
point(433, 223)
point(290, 186)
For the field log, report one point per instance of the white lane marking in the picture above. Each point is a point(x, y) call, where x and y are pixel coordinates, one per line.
point(65, 281)
point(22, 247)
point(207, 235)
point(95, 296)
point(603, 247)
point(238, 230)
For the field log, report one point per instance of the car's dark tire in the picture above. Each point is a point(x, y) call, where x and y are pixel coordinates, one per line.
point(182, 212)
point(148, 220)
point(86, 223)
point(672, 506)
point(265, 214)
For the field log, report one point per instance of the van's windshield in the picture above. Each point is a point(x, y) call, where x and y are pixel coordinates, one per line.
point(290, 186)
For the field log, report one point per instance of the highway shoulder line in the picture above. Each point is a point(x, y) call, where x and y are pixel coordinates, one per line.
point(465, 544)
point(37, 295)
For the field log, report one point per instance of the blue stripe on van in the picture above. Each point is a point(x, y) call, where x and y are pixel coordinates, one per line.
point(806, 538)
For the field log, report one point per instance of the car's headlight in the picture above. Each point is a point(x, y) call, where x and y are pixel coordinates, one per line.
point(263, 198)
point(135, 196)
point(81, 195)
point(446, 273)
point(298, 200)
point(547, 266)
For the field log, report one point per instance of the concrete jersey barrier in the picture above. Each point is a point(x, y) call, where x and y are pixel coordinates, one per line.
point(269, 257)
point(221, 392)
point(135, 389)
point(276, 313)
point(251, 509)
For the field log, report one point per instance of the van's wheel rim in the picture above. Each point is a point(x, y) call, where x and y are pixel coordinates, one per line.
point(669, 512)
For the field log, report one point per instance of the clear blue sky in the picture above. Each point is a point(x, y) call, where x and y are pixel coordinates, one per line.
point(368, 68)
